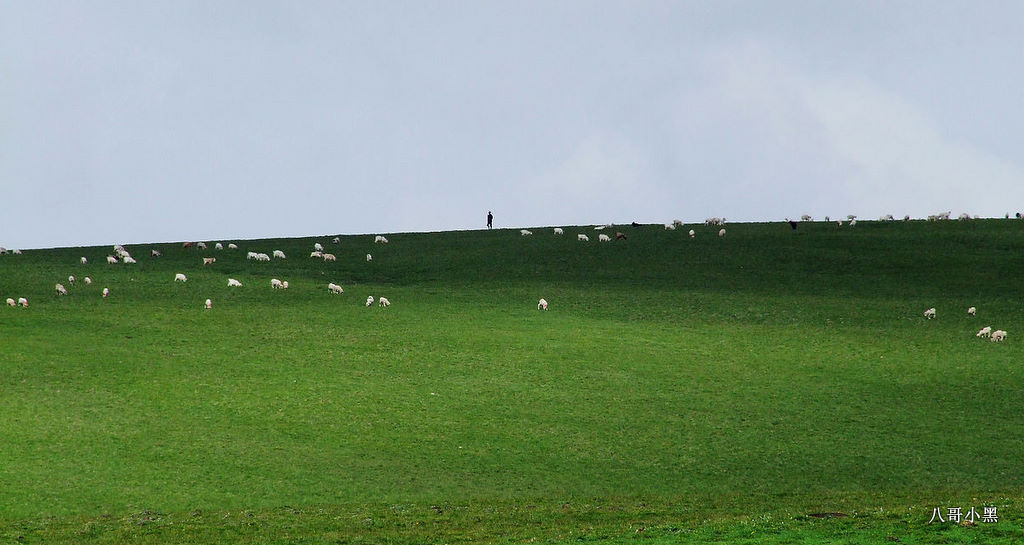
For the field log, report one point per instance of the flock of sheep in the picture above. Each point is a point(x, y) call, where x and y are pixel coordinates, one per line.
point(995, 336)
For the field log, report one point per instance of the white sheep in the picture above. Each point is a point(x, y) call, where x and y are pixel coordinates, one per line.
point(275, 283)
point(232, 283)
point(369, 301)
point(262, 257)
point(334, 288)
point(806, 217)
point(251, 255)
point(380, 239)
point(692, 233)
point(180, 277)
point(559, 231)
point(22, 302)
point(317, 254)
point(71, 280)
point(525, 232)
point(284, 285)
point(670, 227)
point(106, 292)
point(318, 247)
point(721, 232)
point(383, 301)
point(61, 290)
point(112, 260)
point(971, 311)
point(10, 302)
point(369, 257)
point(330, 257)
point(88, 280)
point(542, 304)
point(582, 237)
point(336, 240)
point(16, 252)
point(278, 254)
point(155, 253)
point(930, 313)
point(984, 332)
point(604, 238)
point(201, 245)
point(232, 246)
point(218, 246)
point(209, 304)
point(209, 260)
point(129, 260)
point(998, 336)
point(84, 261)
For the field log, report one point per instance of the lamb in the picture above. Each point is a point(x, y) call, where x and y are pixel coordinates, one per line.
point(721, 232)
point(582, 237)
point(112, 260)
point(603, 238)
point(330, 257)
point(275, 283)
point(209, 304)
point(542, 304)
point(559, 231)
point(334, 288)
point(525, 232)
point(380, 240)
point(129, 260)
point(984, 332)
point(106, 292)
point(218, 246)
point(232, 283)
point(22, 302)
point(232, 246)
point(318, 247)
point(209, 260)
point(278, 254)
point(88, 280)
point(692, 233)
point(998, 336)
point(369, 301)
point(84, 261)
point(369, 257)
point(155, 253)
point(71, 280)
point(971, 311)
point(930, 313)
point(180, 278)
point(10, 302)
point(383, 301)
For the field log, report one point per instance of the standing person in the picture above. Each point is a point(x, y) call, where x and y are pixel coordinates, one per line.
point(490, 219)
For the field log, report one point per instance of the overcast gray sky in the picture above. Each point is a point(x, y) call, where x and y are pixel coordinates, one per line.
point(130, 122)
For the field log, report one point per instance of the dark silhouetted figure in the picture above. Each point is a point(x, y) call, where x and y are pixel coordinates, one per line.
point(792, 224)
point(490, 219)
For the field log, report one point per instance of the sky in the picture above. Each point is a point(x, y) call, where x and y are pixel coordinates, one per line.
point(159, 121)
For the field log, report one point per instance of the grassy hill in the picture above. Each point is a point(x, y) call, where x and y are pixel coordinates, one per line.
point(706, 389)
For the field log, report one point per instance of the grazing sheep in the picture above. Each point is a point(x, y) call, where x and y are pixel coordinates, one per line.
point(232, 246)
point(620, 236)
point(998, 336)
point(232, 283)
point(275, 283)
point(129, 260)
point(721, 232)
point(559, 231)
point(334, 288)
point(670, 227)
point(582, 237)
point(930, 313)
point(677, 223)
point(112, 260)
point(971, 311)
point(61, 290)
point(10, 302)
point(278, 254)
point(187, 244)
point(251, 255)
point(106, 292)
point(542, 304)
point(262, 257)
point(209, 260)
point(336, 240)
point(525, 232)
point(180, 278)
point(218, 246)
point(84, 261)
point(603, 238)
point(369, 257)
point(284, 285)
point(330, 257)
point(692, 233)
point(806, 217)
point(201, 245)
point(318, 247)
point(71, 280)
point(984, 332)
point(22, 302)
point(317, 254)
point(16, 252)
point(369, 301)
point(88, 280)
point(380, 239)
point(383, 301)
point(155, 253)
point(209, 304)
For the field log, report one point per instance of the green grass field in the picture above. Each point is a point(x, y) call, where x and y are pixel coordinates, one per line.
point(707, 390)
